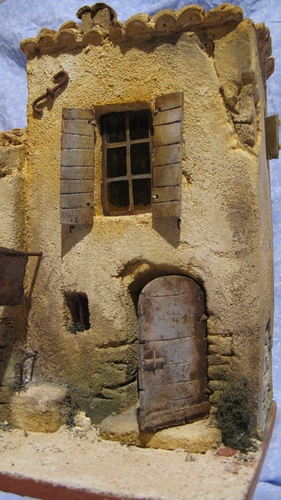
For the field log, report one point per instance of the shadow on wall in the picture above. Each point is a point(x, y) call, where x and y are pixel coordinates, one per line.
point(139, 272)
point(71, 235)
point(14, 310)
point(169, 229)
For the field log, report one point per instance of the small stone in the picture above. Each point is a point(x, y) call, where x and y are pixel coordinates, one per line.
point(226, 452)
point(82, 421)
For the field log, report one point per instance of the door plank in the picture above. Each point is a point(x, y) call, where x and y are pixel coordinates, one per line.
point(174, 351)
point(172, 374)
point(182, 327)
point(185, 391)
point(174, 416)
point(168, 374)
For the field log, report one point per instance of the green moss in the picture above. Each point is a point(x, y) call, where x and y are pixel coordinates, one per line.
point(76, 327)
point(234, 416)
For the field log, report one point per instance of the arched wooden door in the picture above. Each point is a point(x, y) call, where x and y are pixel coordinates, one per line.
point(172, 353)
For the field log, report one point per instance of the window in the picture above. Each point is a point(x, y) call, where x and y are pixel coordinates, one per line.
point(142, 170)
point(77, 304)
point(127, 145)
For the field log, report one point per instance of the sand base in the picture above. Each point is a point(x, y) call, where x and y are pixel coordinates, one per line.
point(78, 464)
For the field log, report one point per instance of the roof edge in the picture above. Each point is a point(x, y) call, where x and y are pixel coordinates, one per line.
point(142, 27)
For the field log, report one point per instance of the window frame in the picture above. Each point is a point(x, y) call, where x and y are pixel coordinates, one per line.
point(129, 176)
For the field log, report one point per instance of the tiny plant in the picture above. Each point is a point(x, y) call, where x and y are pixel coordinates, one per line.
point(71, 414)
point(17, 386)
point(234, 416)
point(76, 327)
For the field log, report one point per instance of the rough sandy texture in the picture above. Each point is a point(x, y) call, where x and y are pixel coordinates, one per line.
point(79, 458)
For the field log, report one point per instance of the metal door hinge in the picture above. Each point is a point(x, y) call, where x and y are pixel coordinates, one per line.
point(272, 124)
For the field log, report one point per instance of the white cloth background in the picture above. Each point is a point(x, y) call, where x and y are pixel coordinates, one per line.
point(20, 19)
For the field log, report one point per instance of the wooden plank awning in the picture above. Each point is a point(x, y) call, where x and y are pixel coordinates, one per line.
point(12, 272)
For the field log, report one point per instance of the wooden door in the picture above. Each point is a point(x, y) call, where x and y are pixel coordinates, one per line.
point(172, 353)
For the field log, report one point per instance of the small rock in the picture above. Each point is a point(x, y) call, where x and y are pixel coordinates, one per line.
point(82, 421)
point(226, 452)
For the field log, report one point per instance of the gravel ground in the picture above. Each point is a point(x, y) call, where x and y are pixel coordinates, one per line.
point(79, 458)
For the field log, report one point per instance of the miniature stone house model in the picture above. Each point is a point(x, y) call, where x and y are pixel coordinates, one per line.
point(144, 181)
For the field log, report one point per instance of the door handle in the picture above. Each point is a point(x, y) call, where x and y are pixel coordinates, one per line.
point(154, 362)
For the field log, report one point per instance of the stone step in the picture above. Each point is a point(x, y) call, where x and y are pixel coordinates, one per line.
point(195, 437)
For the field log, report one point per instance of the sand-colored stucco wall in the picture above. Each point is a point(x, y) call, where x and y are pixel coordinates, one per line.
point(12, 235)
point(224, 240)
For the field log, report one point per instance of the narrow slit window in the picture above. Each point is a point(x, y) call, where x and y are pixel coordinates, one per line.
point(127, 146)
point(78, 309)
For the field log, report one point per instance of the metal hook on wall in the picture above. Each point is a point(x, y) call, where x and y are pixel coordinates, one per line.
point(60, 79)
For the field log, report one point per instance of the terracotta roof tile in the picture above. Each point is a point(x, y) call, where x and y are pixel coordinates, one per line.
point(141, 26)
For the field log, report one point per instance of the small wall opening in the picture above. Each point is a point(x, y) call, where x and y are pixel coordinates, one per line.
point(78, 308)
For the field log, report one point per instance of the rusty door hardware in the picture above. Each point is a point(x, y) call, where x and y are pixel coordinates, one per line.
point(272, 125)
point(60, 79)
point(155, 362)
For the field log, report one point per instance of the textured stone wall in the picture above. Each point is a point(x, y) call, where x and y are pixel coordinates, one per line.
point(12, 235)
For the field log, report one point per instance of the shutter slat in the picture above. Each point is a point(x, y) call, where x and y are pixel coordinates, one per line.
point(167, 156)
point(77, 173)
point(169, 101)
point(167, 193)
point(76, 186)
point(167, 209)
point(170, 133)
point(167, 175)
point(78, 127)
point(81, 200)
point(71, 141)
point(77, 113)
point(75, 216)
point(77, 163)
point(76, 157)
point(170, 116)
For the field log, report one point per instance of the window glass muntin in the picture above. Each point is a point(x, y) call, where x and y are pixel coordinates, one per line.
point(127, 163)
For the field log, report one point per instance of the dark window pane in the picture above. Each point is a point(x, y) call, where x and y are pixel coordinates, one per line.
point(141, 193)
point(116, 162)
point(118, 196)
point(139, 125)
point(114, 127)
point(140, 158)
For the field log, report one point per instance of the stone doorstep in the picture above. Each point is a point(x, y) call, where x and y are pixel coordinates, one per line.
point(195, 437)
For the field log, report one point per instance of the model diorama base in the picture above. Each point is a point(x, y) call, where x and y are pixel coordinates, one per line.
point(78, 464)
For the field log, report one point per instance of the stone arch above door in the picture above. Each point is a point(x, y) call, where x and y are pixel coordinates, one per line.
point(172, 362)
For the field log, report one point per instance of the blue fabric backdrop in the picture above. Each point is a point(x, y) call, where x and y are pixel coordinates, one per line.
point(20, 19)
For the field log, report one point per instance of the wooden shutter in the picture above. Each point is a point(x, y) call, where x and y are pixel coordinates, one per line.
point(167, 156)
point(77, 166)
